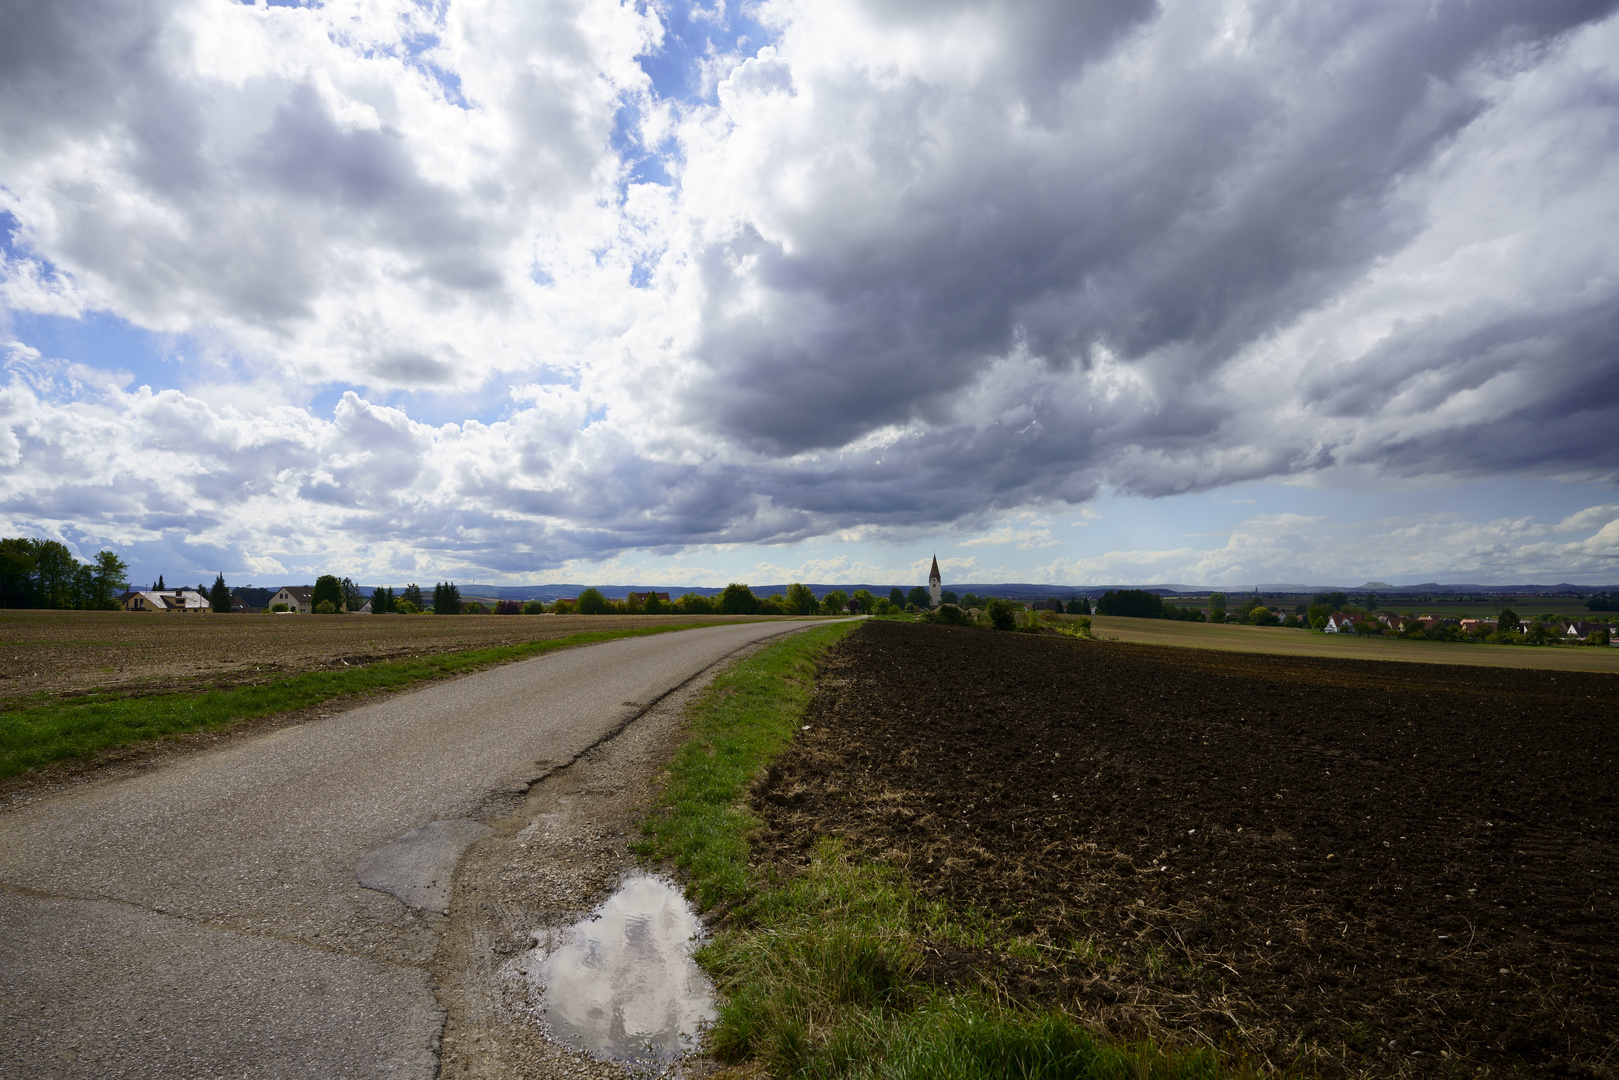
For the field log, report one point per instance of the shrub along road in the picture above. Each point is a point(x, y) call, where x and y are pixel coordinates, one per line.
point(206, 916)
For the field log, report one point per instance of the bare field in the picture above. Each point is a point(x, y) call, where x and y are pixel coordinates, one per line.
point(46, 654)
point(1280, 642)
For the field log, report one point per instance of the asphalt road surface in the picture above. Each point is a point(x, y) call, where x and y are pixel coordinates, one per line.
point(208, 919)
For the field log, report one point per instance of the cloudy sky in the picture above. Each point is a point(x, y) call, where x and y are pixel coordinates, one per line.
point(579, 290)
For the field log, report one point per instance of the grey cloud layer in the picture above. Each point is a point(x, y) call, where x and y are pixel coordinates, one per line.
point(924, 263)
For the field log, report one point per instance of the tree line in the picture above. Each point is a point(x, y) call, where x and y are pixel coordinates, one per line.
point(45, 574)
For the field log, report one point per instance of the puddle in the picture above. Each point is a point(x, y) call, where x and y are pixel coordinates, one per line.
point(621, 984)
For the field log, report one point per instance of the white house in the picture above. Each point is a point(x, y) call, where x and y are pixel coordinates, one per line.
point(169, 601)
point(1339, 624)
point(297, 598)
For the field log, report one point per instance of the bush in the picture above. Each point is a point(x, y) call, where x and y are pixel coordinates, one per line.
point(949, 615)
point(1002, 615)
point(279, 608)
point(472, 607)
point(325, 607)
point(534, 607)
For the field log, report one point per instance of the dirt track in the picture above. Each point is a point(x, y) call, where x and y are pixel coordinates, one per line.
point(1358, 865)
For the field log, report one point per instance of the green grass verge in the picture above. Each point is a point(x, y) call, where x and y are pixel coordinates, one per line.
point(78, 727)
point(819, 974)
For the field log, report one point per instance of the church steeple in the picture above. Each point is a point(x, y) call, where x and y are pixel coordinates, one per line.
point(935, 583)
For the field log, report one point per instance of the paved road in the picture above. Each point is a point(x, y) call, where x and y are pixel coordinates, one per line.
point(206, 919)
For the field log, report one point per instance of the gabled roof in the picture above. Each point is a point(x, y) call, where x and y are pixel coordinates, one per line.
point(300, 592)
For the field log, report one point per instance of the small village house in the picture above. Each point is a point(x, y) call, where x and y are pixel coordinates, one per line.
point(299, 598)
point(167, 601)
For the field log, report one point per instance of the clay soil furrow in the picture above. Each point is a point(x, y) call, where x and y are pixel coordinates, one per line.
point(1350, 865)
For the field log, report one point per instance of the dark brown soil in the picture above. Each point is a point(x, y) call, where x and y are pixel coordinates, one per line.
point(1345, 866)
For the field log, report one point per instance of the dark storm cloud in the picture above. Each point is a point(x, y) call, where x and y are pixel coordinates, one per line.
point(1168, 218)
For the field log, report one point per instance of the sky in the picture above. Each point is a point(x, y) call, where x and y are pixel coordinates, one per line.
point(659, 292)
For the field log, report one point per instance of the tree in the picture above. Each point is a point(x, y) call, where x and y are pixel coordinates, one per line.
point(948, 597)
point(1136, 603)
point(159, 586)
point(834, 601)
point(868, 602)
point(352, 600)
point(111, 577)
point(592, 602)
point(327, 588)
point(1508, 622)
point(54, 571)
point(16, 572)
point(325, 607)
point(446, 599)
point(738, 599)
point(534, 607)
point(382, 601)
point(919, 596)
point(1080, 605)
point(800, 601)
point(1334, 601)
point(693, 604)
point(1217, 602)
point(969, 601)
point(653, 605)
point(896, 597)
point(219, 596)
point(413, 596)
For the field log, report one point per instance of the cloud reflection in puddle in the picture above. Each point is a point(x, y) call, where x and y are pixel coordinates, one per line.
point(621, 984)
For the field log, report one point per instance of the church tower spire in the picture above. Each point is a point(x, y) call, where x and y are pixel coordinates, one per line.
point(935, 583)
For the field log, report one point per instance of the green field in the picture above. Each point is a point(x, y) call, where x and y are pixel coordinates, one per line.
point(1270, 639)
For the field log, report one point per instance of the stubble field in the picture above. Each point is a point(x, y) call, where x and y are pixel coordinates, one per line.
point(1349, 866)
point(52, 654)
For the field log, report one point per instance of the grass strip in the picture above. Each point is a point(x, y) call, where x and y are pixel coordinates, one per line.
point(79, 727)
point(819, 974)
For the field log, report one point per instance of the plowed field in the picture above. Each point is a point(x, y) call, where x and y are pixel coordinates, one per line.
point(1347, 865)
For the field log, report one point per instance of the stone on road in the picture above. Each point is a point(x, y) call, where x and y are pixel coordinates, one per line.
point(208, 918)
